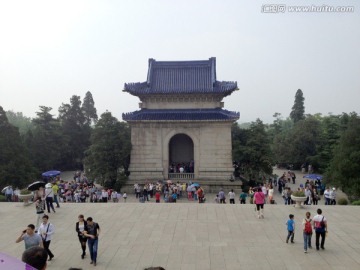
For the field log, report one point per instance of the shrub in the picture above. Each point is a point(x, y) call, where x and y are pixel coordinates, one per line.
point(356, 203)
point(2, 198)
point(25, 191)
point(298, 194)
point(342, 201)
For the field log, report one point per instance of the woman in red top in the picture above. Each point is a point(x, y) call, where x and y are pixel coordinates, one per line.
point(157, 196)
point(259, 200)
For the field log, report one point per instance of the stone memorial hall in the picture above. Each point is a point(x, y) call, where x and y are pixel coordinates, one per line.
point(181, 131)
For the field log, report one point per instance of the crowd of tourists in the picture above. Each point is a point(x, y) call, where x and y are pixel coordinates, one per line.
point(183, 167)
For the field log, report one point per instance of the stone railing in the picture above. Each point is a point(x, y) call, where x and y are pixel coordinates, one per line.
point(181, 176)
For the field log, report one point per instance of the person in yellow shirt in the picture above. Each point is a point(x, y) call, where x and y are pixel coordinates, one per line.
point(55, 189)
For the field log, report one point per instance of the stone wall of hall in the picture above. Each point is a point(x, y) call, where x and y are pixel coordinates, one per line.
point(150, 149)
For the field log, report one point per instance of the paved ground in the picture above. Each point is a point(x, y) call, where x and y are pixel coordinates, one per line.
point(190, 236)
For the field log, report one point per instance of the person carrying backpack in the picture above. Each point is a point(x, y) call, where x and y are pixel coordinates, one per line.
point(307, 231)
point(321, 228)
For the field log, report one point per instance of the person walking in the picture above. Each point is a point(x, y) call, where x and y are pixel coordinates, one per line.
point(232, 197)
point(321, 227)
point(222, 196)
point(291, 228)
point(9, 193)
point(35, 257)
point(30, 238)
point(46, 231)
point(92, 231)
point(307, 231)
point(242, 197)
point(55, 189)
point(49, 197)
point(327, 196)
point(200, 193)
point(259, 200)
point(40, 209)
point(80, 228)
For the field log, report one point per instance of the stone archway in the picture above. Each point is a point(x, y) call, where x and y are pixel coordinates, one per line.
point(181, 154)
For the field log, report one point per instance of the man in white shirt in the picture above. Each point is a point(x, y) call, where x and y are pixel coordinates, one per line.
point(9, 192)
point(327, 196)
point(232, 197)
point(333, 196)
point(104, 196)
point(49, 197)
point(307, 193)
point(46, 231)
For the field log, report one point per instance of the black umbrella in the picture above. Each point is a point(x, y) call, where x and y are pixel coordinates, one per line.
point(36, 185)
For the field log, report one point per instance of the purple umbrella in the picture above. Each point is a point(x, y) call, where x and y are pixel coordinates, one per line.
point(11, 263)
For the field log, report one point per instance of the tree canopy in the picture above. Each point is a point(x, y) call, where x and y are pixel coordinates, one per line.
point(107, 158)
point(298, 109)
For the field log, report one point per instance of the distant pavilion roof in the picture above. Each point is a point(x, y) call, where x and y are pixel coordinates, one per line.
point(216, 114)
point(181, 77)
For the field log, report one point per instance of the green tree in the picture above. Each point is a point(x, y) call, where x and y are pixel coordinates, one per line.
point(344, 168)
point(20, 121)
point(89, 110)
point(15, 166)
point(251, 150)
point(45, 141)
point(76, 133)
point(299, 144)
point(107, 158)
point(330, 134)
point(298, 109)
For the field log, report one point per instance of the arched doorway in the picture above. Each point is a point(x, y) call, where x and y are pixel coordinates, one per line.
point(181, 156)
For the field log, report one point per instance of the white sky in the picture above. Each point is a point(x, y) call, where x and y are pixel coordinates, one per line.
point(51, 50)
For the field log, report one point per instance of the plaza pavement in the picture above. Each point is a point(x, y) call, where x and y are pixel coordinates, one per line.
point(189, 236)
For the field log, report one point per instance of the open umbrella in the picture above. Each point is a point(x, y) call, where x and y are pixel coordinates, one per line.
point(36, 185)
point(313, 176)
point(4, 189)
point(51, 173)
point(195, 185)
point(11, 263)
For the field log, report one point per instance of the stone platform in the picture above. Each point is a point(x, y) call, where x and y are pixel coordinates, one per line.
point(190, 236)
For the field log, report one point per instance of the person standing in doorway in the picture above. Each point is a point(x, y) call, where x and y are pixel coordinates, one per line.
point(46, 231)
point(92, 231)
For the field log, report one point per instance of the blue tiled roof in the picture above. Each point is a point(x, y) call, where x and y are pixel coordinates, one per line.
point(181, 77)
point(181, 115)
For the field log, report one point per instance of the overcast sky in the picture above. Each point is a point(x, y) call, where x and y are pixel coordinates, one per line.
point(51, 50)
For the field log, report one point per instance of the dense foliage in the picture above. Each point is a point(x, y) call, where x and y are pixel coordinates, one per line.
point(107, 158)
point(77, 139)
point(15, 164)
